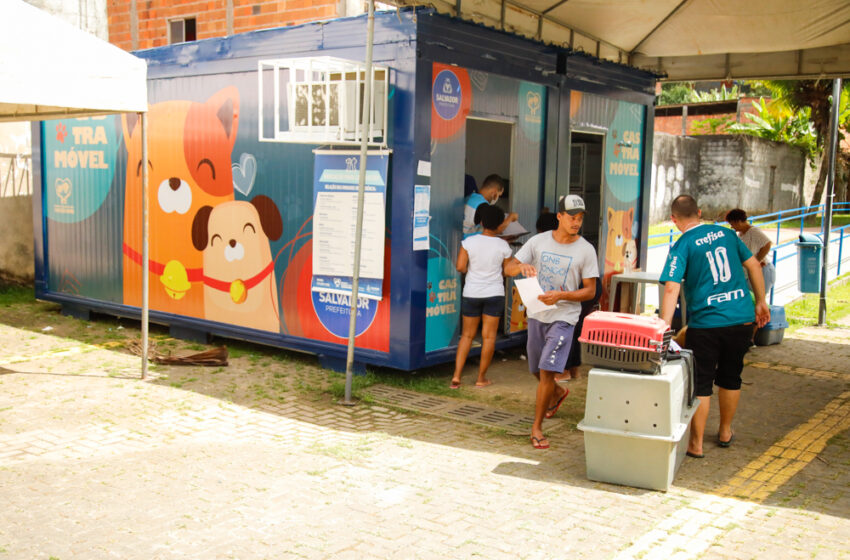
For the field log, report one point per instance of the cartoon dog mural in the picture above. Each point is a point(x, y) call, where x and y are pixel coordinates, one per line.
point(630, 256)
point(617, 246)
point(189, 166)
point(239, 278)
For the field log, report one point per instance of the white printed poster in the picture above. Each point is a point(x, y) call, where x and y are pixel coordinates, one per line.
point(336, 180)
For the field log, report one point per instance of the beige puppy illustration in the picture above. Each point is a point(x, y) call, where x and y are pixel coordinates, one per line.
point(239, 279)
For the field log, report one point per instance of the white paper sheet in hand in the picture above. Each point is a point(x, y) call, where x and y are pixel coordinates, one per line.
point(513, 229)
point(529, 289)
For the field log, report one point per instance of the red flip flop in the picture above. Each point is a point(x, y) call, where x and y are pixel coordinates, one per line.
point(550, 412)
point(537, 443)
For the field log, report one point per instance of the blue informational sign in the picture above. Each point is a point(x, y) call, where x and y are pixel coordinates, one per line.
point(335, 185)
point(447, 95)
point(79, 166)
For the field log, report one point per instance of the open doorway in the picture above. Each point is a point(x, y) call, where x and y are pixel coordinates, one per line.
point(586, 167)
point(489, 149)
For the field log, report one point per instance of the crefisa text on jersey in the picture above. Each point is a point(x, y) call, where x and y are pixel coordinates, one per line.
point(710, 238)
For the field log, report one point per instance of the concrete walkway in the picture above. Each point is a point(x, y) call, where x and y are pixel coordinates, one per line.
point(253, 460)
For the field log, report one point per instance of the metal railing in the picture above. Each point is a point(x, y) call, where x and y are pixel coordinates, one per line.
point(16, 174)
point(837, 234)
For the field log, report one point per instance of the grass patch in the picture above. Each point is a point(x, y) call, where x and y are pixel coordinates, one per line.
point(838, 220)
point(434, 381)
point(804, 311)
point(665, 228)
point(12, 294)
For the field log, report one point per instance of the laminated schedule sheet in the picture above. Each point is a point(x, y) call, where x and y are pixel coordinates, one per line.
point(334, 226)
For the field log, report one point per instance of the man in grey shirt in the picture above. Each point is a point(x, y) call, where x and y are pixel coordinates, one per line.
point(566, 267)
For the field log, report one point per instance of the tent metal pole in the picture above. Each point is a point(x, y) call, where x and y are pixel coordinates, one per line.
point(365, 132)
point(145, 254)
point(830, 195)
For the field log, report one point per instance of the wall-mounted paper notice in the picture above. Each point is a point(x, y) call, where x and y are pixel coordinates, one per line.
point(424, 168)
point(529, 289)
point(421, 216)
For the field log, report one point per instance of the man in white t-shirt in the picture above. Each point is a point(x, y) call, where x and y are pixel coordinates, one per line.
point(566, 266)
point(757, 242)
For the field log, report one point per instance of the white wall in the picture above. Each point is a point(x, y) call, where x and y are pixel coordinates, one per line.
point(88, 15)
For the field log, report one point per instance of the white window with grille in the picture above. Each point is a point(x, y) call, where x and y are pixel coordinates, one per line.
point(320, 100)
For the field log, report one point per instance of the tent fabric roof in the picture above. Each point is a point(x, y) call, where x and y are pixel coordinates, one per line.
point(51, 69)
point(684, 39)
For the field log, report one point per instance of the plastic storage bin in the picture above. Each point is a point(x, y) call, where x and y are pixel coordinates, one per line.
point(624, 342)
point(809, 261)
point(636, 426)
point(774, 330)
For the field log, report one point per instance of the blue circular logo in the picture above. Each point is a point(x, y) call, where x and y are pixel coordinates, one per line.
point(446, 95)
point(334, 312)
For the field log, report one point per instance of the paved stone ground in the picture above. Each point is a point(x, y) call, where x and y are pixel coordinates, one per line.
point(255, 461)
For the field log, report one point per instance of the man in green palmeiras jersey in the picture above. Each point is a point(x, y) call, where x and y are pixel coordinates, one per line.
point(709, 261)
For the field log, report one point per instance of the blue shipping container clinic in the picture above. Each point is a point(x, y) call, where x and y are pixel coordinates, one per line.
point(253, 166)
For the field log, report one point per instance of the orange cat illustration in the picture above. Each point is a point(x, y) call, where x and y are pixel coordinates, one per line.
point(189, 166)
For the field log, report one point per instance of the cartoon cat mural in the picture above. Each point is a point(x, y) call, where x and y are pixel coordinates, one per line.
point(518, 319)
point(189, 166)
point(620, 249)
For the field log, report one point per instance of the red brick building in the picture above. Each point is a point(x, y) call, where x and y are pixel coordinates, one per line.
point(692, 118)
point(142, 24)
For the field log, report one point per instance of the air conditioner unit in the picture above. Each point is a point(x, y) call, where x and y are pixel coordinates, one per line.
point(322, 99)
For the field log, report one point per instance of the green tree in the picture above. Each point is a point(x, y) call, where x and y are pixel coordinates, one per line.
point(772, 121)
point(721, 94)
point(813, 97)
point(675, 93)
point(712, 125)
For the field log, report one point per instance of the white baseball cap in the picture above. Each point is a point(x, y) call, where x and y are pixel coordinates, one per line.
point(572, 204)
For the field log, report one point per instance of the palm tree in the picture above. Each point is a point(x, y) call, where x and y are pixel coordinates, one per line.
point(815, 98)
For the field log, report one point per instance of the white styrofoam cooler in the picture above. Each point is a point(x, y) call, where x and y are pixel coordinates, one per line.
point(636, 426)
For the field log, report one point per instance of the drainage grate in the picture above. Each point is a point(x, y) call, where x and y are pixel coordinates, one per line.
point(458, 410)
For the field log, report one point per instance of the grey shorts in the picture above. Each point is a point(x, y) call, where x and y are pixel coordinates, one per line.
point(548, 345)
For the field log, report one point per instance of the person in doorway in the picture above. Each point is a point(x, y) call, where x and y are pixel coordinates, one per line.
point(489, 192)
point(757, 242)
point(469, 185)
point(566, 266)
point(547, 221)
point(710, 261)
point(482, 259)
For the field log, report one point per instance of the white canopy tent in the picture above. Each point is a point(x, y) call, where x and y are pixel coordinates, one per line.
point(50, 69)
point(690, 40)
point(682, 39)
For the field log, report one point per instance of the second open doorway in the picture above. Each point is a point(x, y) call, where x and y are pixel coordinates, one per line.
point(586, 167)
